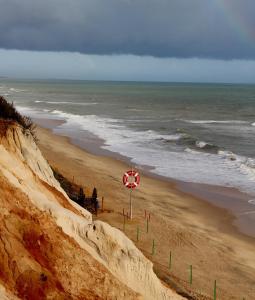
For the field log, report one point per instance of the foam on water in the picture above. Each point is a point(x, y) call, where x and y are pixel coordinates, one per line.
point(16, 90)
point(201, 144)
point(223, 168)
point(66, 102)
point(181, 132)
point(111, 130)
point(34, 113)
point(215, 121)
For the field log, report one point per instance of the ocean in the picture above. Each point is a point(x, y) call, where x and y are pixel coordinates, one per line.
point(202, 133)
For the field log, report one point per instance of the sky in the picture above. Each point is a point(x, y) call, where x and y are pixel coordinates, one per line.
point(155, 40)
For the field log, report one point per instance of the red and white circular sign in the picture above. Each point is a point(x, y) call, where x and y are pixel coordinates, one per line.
point(131, 179)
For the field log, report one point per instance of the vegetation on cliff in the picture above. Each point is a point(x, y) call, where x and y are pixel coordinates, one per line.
point(76, 193)
point(8, 112)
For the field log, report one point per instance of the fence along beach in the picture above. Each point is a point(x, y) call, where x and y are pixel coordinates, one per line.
point(199, 137)
point(193, 230)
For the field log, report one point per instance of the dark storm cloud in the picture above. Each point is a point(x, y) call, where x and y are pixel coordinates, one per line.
point(163, 28)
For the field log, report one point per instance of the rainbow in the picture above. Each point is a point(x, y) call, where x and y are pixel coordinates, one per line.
point(233, 11)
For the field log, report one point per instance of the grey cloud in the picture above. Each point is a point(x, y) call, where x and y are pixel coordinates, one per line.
point(162, 28)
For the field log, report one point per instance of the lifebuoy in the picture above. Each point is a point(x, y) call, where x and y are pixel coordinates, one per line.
point(131, 185)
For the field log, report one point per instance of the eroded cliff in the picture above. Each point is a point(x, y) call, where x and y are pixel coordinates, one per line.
point(50, 248)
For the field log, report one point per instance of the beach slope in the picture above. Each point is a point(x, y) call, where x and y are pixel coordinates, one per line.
point(51, 248)
point(190, 228)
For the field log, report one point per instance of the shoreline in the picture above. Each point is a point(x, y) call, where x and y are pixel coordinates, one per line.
point(217, 196)
point(194, 230)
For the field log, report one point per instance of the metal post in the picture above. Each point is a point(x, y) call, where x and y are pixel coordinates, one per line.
point(170, 261)
point(153, 247)
point(124, 222)
point(190, 275)
point(130, 206)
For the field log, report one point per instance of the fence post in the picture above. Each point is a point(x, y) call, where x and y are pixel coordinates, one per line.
point(124, 222)
point(190, 274)
point(102, 203)
point(153, 247)
point(137, 234)
point(170, 261)
point(215, 290)
point(147, 228)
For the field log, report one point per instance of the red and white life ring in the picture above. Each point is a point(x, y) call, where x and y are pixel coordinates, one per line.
point(127, 175)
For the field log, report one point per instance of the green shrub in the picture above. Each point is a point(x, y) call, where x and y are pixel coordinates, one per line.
point(9, 112)
point(94, 194)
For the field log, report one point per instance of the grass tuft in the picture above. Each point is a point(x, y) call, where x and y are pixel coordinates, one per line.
point(8, 112)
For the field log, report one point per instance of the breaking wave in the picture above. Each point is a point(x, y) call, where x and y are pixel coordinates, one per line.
point(199, 161)
point(67, 102)
point(215, 121)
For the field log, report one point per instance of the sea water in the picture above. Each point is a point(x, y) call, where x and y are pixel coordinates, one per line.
point(201, 133)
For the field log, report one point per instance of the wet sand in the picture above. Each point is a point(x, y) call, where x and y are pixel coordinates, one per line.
point(237, 203)
point(183, 219)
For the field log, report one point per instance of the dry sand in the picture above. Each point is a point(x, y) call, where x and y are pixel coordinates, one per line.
point(196, 232)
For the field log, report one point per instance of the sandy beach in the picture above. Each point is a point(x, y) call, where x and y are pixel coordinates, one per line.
point(191, 228)
point(95, 94)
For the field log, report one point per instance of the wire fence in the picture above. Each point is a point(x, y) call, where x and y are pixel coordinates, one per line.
point(166, 272)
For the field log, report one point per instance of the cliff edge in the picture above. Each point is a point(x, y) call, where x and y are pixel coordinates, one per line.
point(50, 247)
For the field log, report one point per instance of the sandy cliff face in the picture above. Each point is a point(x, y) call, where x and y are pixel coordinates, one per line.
point(50, 248)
